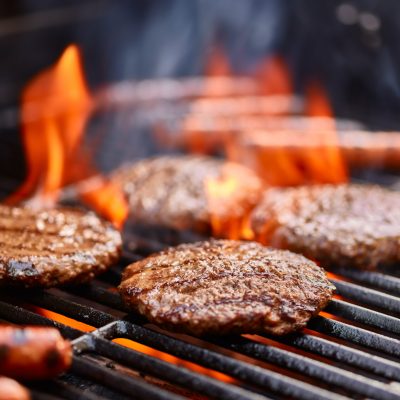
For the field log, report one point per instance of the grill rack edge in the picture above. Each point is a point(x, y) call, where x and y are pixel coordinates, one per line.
point(354, 353)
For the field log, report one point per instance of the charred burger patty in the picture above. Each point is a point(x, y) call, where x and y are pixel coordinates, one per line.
point(171, 191)
point(54, 247)
point(344, 225)
point(224, 286)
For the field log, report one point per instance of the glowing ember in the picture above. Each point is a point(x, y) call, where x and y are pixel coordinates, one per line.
point(73, 323)
point(56, 106)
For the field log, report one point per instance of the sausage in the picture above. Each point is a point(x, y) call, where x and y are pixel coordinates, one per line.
point(12, 390)
point(33, 352)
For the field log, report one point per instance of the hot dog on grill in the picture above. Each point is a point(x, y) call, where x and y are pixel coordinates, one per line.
point(33, 352)
point(12, 390)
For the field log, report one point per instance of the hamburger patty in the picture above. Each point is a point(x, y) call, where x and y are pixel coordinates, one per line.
point(171, 191)
point(345, 225)
point(224, 286)
point(54, 247)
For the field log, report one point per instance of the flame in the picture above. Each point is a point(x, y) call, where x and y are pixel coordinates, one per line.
point(274, 76)
point(224, 193)
point(264, 133)
point(73, 323)
point(219, 192)
point(317, 101)
point(291, 157)
point(217, 63)
point(173, 360)
point(56, 105)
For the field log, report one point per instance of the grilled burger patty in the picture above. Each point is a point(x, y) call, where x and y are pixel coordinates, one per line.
point(225, 286)
point(345, 225)
point(54, 247)
point(171, 190)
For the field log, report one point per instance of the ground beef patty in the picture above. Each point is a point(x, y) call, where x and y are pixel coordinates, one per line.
point(225, 286)
point(171, 191)
point(54, 247)
point(345, 225)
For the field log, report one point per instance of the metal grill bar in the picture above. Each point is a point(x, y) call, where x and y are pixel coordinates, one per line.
point(97, 318)
point(161, 369)
point(370, 297)
point(315, 370)
point(356, 313)
point(356, 335)
point(353, 383)
point(206, 358)
point(92, 371)
point(19, 315)
point(375, 279)
point(62, 389)
point(334, 351)
point(111, 327)
point(251, 374)
point(119, 382)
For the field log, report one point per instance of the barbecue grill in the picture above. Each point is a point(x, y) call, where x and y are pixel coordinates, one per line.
point(352, 350)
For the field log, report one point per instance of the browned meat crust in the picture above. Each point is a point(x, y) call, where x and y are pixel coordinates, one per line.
point(54, 247)
point(171, 191)
point(223, 286)
point(345, 225)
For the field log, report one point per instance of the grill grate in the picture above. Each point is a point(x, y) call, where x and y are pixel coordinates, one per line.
point(352, 350)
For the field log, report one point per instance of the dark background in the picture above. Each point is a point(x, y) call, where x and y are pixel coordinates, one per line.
point(351, 46)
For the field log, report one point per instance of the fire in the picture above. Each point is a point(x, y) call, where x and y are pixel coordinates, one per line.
point(56, 105)
point(286, 140)
point(228, 205)
point(317, 103)
point(290, 158)
point(217, 63)
point(73, 323)
point(173, 360)
point(274, 77)
point(219, 192)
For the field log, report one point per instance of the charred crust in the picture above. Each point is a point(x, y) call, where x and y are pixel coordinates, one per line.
point(54, 247)
point(225, 287)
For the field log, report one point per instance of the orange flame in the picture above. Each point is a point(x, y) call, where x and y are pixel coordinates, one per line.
point(285, 151)
point(229, 207)
point(297, 156)
point(217, 63)
point(274, 76)
point(173, 360)
point(288, 158)
point(56, 105)
point(317, 101)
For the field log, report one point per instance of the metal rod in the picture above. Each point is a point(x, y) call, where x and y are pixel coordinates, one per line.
point(368, 296)
point(120, 382)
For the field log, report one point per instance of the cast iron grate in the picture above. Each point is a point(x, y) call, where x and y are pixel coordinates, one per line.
point(352, 350)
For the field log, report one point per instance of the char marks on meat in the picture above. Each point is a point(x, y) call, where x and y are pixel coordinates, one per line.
point(223, 286)
point(54, 247)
